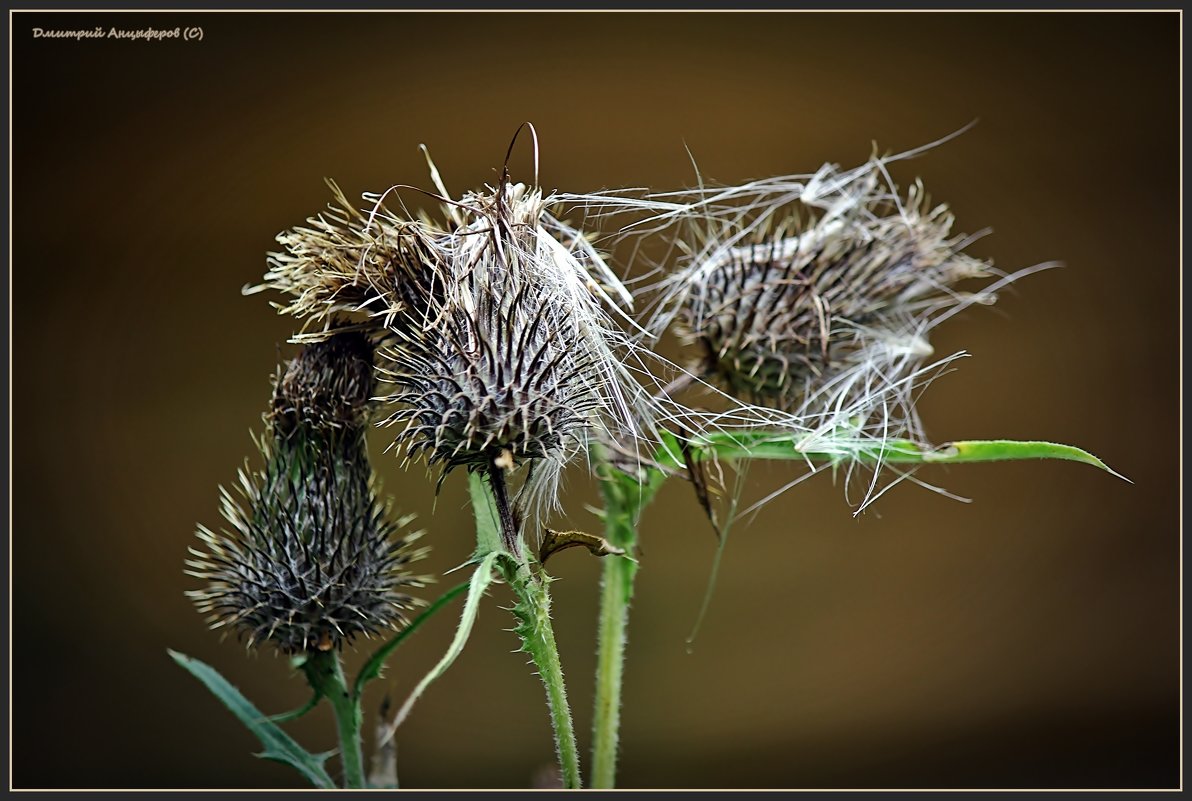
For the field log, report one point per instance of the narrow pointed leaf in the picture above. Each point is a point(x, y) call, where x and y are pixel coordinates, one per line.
point(372, 668)
point(279, 746)
point(481, 579)
point(793, 446)
point(294, 714)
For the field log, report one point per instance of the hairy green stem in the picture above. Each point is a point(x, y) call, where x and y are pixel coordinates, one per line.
point(326, 675)
point(624, 498)
point(496, 532)
point(616, 593)
point(538, 640)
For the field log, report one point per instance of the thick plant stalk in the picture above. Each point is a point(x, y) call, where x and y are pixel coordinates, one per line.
point(326, 675)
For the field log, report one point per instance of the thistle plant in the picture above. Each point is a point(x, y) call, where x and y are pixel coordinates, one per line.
point(492, 335)
point(511, 370)
point(312, 557)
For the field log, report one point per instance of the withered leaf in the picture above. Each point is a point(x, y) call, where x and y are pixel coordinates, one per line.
point(556, 541)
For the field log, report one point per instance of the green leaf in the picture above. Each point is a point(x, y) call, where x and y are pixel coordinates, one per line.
point(995, 450)
point(294, 714)
point(481, 579)
point(372, 668)
point(279, 746)
point(793, 446)
point(488, 521)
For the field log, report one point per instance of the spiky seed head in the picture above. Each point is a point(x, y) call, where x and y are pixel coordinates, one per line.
point(518, 362)
point(497, 325)
point(311, 557)
point(494, 382)
point(778, 317)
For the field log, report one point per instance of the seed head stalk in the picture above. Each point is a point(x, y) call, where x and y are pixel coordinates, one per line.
point(539, 641)
point(532, 611)
point(616, 592)
point(326, 676)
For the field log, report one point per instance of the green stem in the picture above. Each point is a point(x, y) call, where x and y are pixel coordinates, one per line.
point(496, 532)
point(538, 638)
point(624, 498)
point(616, 593)
point(326, 675)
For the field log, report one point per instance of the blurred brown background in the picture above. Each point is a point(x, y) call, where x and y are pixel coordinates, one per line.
point(1029, 638)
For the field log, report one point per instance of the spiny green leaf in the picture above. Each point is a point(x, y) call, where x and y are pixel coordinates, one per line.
point(372, 668)
point(279, 746)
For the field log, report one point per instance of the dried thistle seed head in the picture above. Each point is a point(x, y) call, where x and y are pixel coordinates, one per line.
point(498, 322)
point(776, 319)
point(344, 261)
point(494, 383)
point(518, 360)
point(311, 557)
point(810, 299)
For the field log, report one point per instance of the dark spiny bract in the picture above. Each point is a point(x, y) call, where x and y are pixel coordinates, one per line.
point(507, 375)
point(775, 319)
point(312, 558)
point(329, 386)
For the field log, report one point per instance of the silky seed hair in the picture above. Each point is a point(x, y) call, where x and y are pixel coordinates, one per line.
point(346, 262)
point(310, 557)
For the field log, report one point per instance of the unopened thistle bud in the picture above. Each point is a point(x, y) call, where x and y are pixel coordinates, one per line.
point(312, 558)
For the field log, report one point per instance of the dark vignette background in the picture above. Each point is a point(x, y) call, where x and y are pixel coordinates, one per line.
point(1027, 639)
